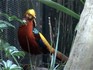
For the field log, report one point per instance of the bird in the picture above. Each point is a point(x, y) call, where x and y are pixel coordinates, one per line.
point(32, 40)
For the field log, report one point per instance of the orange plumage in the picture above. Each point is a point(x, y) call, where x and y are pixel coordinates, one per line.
point(27, 38)
point(32, 41)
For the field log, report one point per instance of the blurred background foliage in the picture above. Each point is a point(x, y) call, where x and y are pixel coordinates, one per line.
point(45, 14)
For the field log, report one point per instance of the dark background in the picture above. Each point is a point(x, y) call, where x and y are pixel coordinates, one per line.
point(68, 23)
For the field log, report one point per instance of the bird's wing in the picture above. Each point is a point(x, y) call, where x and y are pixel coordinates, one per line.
point(43, 40)
point(48, 46)
point(59, 55)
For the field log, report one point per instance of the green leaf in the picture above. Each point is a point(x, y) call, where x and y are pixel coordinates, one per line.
point(20, 54)
point(9, 65)
point(5, 15)
point(3, 44)
point(12, 50)
point(5, 24)
point(12, 18)
point(59, 7)
point(17, 19)
point(82, 1)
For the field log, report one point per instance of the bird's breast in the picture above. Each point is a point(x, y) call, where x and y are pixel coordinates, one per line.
point(27, 39)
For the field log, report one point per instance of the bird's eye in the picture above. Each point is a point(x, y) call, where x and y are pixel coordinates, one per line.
point(30, 16)
point(27, 15)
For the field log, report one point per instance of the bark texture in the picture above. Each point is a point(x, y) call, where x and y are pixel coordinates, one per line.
point(81, 56)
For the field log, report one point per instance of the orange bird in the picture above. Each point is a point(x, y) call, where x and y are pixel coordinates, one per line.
point(32, 41)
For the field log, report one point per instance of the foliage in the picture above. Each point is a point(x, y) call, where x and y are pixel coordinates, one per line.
point(64, 9)
point(5, 24)
point(8, 65)
point(59, 7)
point(11, 18)
point(56, 48)
point(10, 51)
point(82, 1)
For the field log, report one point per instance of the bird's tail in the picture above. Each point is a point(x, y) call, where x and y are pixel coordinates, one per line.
point(61, 57)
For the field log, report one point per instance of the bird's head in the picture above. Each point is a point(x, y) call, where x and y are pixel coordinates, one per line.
point(30, 15)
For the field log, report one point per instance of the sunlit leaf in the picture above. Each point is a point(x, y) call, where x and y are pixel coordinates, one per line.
point(3, 44)
point(9, 65)
point(5, 24)
point(60, 8)
point(12, 50)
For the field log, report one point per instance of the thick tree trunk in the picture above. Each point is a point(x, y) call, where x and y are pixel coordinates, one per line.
point(81, 56)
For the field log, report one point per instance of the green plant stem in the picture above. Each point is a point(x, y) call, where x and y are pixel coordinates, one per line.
point(82, 1)
point(57, 37)
point(50, 29)
point(29, 52)
point(53, 61)
point(15, 60)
